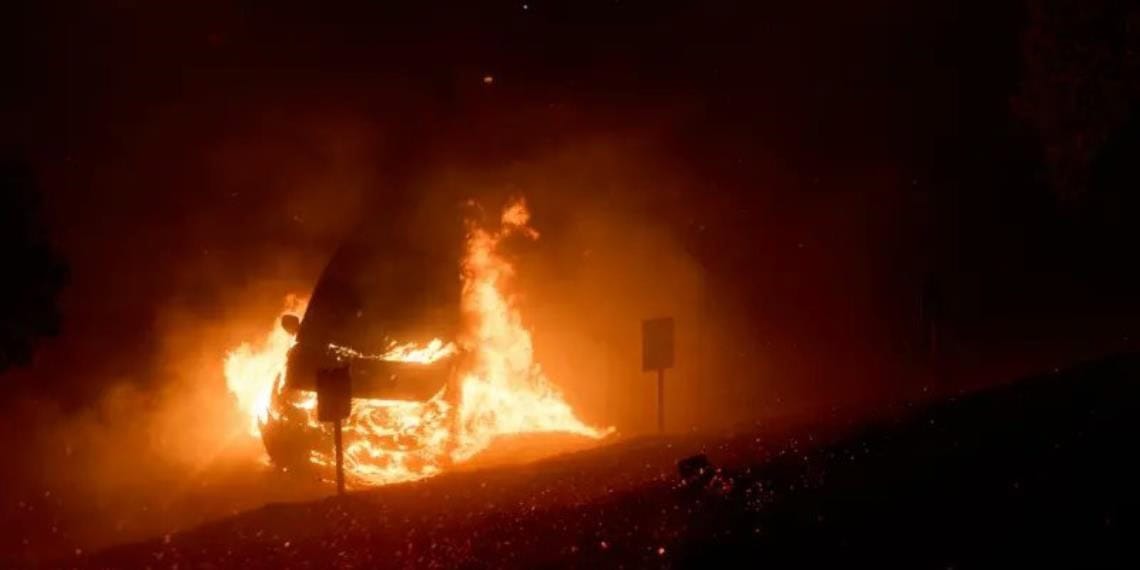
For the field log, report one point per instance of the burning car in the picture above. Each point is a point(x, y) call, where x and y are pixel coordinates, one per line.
point(388, 305)
point(440, 360)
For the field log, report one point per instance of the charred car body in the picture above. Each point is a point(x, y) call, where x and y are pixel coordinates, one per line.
point(391, 283)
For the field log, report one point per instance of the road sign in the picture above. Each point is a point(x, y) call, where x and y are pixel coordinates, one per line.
point(334, 394)
point(657, 344)
point(334, 402)
point(657, 354)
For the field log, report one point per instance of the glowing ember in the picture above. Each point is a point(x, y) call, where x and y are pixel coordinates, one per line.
point(407, 352)
point(501, 389)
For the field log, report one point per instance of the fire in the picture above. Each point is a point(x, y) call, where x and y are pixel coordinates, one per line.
point(507, 391)
point(251, 372)
point(501, 390)
point(434, 350)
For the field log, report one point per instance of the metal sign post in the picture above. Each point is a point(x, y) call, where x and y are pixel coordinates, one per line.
point(339, 457)
point(660, 400)
point(657, 354)
point(334, 402)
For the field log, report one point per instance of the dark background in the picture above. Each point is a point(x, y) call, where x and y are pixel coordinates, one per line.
point(833, 177)
point(838, 172)
point(839, 160)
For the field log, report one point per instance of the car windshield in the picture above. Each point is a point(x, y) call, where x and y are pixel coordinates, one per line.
point(391, 282)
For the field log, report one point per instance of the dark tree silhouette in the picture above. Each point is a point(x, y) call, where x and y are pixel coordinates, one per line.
point(1081, 81)
point(32, 274)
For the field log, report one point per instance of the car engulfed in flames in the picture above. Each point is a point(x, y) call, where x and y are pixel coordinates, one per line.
point(440, 359)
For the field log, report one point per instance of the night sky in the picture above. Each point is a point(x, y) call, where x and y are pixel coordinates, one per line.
point(826, 165)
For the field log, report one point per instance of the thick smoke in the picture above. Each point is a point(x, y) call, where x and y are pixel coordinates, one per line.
point(130, 430)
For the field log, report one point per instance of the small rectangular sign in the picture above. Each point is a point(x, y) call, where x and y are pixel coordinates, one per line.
point(657, 344)
point(334, 394)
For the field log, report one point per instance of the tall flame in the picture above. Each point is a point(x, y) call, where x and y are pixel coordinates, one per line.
point(251, 372)
point(507, 391)
point(501, 391)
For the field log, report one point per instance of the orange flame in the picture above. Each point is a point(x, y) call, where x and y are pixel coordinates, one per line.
point(502, 391)
point(434, 350)
point(251, 372)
